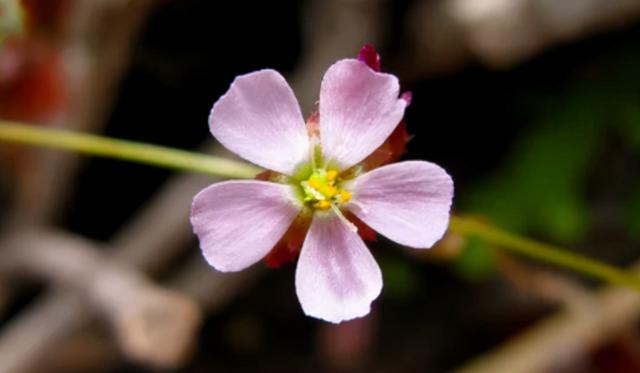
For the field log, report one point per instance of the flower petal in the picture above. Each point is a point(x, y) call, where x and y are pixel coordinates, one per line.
point(259, 119)
point(359, 108)
point(337, 278)
point(239, 222)
point(408, 202)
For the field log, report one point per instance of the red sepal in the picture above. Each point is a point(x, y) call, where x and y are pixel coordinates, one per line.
point(288, 248)
point(391, 150)
point(364, 231)
point(369, 56)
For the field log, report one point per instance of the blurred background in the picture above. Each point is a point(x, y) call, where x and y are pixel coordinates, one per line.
point(533, 106)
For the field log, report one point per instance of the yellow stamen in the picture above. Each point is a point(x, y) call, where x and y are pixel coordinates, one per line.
point(314, 183)
point(332, 175)
point(328, 191)
point(345, 196)
point(323, 204)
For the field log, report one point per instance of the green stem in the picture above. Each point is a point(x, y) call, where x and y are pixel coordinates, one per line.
point(543, 252)
point(127, 150)
point(190, 161)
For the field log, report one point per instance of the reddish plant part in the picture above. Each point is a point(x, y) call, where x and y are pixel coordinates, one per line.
point(288, 248)
point(364, 230)
point(390, 151)
point(313, 124)
point(32, 82)
point(407, 96)
point(369, 56)
point(33, 87)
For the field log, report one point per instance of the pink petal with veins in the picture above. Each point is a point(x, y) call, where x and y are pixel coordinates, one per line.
point(407, 202)
point(337, 278)
point(239, 222)
point(259, 119)
point(359, 108)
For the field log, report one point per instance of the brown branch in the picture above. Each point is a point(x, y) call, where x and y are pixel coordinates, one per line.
point(550, 286)
point(24, 340)
point(152, 241)
point(195, 279)
point(569, 333)
point(153, 325)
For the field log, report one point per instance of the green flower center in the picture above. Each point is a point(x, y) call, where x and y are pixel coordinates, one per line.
point(319, 185)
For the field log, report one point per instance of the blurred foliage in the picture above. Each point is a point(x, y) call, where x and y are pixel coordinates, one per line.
point(540, 186)
point(400, 278)
point(476, 260)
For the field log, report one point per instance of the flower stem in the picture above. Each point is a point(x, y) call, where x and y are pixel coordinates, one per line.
point(126, 150)
point(190, 161)
point(543, 252)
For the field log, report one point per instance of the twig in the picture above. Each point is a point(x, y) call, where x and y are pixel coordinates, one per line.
point(154, 325)
point(550, 286)
point(153, 238)
point(543, 252)
point(564, 336)
point(195, 279)
point(25, 339)
point(150, 154)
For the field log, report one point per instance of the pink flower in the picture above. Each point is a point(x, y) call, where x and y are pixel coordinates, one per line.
point(318, 176)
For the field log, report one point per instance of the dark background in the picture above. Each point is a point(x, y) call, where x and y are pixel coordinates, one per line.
point(547, 147)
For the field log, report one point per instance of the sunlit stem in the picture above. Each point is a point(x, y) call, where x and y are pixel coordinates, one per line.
point(543, 252)
point(125, 150)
